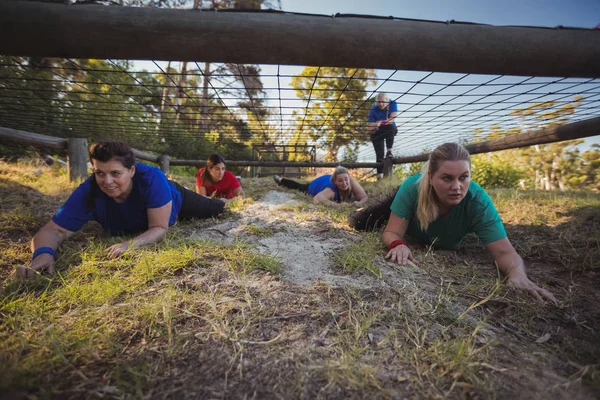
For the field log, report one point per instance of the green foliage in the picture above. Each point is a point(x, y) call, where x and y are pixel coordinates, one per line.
point(547, 167)
point(491, 172)
point(325, 120)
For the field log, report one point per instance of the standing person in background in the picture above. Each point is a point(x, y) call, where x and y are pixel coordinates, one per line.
point(382, 127)
point(214, 181)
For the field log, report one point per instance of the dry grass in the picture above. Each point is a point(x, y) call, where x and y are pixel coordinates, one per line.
point(199, 319)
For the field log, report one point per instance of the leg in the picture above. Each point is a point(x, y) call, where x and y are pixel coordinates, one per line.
point(389, 142)
point(374, 216)
point(378, 145)
point(288, 183)
point(194, 205)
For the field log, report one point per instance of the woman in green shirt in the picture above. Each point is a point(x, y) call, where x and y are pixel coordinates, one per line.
point(442, 205)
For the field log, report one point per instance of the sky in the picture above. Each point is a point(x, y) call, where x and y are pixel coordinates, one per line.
point(543, 13)
point(549, 13)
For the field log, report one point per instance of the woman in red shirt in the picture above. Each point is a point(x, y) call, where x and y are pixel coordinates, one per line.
point(214, 181)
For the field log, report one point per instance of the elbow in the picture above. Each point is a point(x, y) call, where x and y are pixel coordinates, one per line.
point(161, 233)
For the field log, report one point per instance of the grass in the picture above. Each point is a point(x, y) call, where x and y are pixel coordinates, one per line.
point(359, 256)
point(196, 318)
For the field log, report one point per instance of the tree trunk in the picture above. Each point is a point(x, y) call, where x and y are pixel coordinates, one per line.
point(180, 91)
point(204, 116)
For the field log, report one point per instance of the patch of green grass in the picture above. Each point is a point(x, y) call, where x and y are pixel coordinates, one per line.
point(261, 231)
point(359, 256)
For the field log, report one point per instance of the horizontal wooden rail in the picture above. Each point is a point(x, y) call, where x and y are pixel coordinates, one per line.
point(138, 33)
point(32, 139)
point(574, 130)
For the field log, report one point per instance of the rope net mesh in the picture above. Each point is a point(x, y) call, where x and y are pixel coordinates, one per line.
point(185, 103)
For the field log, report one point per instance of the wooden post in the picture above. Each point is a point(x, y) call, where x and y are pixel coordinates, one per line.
point(163, 162)
point(388, 166)
point(77, 153)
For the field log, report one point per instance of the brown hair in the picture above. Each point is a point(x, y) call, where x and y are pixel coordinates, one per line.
point(427, 206)
point(212, 160)
point(106, 151)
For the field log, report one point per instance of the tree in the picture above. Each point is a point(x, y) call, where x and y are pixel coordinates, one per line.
point(335, 95)
point(547, 167)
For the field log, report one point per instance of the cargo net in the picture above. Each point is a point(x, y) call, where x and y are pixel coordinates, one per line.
point(188, 109)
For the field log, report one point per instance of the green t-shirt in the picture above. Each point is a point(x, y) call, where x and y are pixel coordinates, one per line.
point(475, 213)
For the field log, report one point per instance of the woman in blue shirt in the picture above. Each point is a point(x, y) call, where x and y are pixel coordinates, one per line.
point(125, 197)
point(440, 207)
point(333, 189)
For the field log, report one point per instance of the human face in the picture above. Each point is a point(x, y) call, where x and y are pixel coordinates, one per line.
point(451, 182)
point(382, 103)
point(342, 182)
point(114, 179)
point(217, 171)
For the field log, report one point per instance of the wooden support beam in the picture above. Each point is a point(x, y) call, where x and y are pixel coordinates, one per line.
point(137, 33)
point(163, 163)
point(574, 130)
point(145, 156)
point(32, 139)
point(77, 157)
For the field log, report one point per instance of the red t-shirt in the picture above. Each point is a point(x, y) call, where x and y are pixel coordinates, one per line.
point(224, 187)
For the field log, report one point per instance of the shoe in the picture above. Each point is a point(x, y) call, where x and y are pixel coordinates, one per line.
point(277, 179)
point(389, 154)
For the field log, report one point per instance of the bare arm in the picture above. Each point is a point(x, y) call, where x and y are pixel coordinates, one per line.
point(50, 235)
point(238, 192)
point(511, 264)
point(326, 196)
point(201, 190)
point(391, 118)
point(158, 224)
point(372, 126)
point(395, 230)
point(359, 193)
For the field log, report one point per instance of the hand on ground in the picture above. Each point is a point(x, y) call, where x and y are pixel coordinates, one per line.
point(521, 281)
point(117, 250)
point(42, 263)
point(401, 254)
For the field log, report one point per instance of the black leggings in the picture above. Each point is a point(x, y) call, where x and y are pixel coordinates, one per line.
point(288, 183)
point(194, 205)
point(378, 139)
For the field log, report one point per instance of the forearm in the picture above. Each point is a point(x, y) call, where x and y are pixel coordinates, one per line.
point(361, 201)
point(152, 235)
point(389, 237)
point(47, 237)
point(372, 126)
point(510, 264)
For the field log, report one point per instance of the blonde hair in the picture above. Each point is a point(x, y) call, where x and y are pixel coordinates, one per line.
point(427, 206)
point(337, 171)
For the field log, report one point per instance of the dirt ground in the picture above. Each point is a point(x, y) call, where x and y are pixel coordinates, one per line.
point(535, 350)
point(442, 329)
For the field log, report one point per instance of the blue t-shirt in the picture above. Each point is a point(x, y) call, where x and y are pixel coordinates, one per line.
point(475, 213)
point(322, 183)
point(377, 114)
point(151, 189)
